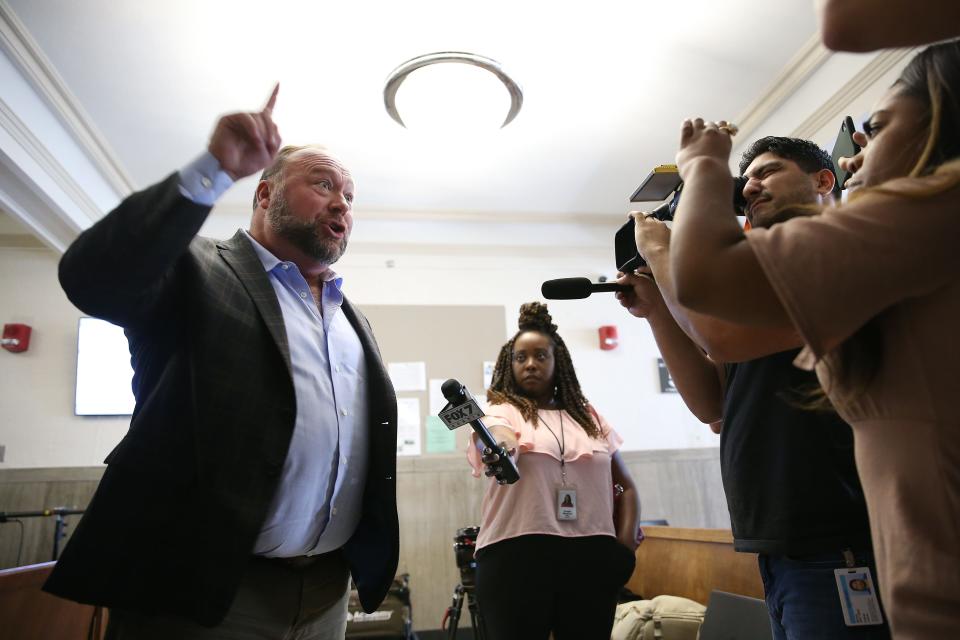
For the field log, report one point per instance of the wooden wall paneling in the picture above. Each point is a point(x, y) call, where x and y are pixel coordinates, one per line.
point(436, 496)
point(691, 563)
point(681, 486)
point(35, 490)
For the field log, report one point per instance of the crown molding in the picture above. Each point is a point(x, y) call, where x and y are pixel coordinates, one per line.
point(797, 71)
point(832, 109)
point(38, 70)
point(38, 152)
point(22, 201)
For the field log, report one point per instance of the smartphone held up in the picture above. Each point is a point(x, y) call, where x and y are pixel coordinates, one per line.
point(844, 147)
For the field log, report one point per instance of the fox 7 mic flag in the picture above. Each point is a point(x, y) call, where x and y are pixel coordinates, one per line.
point(461, 414)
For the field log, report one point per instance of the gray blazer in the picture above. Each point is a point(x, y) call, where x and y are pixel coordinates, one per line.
point(175, 517)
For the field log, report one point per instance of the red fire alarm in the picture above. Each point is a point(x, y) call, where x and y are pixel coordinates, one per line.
point(16, 337)
point(608, 337)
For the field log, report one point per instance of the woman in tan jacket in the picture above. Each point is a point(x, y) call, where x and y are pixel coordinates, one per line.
point(873, 287)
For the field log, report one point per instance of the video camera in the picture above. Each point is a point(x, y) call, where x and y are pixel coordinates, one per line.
point(464, 545)
point(663, 182)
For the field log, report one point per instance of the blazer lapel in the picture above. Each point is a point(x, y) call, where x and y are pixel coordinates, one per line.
point(239, 254)
point(370, 348)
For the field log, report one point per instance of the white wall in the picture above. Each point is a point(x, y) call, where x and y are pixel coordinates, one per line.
point(39, 429)
point(37, 425)
point(622, 383)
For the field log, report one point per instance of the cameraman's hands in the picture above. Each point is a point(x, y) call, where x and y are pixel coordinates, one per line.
point(700, 140)
point(644, 299)
point(652, 235)
point(244, 143)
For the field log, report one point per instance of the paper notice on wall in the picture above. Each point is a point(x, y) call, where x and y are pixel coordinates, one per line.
point(408, 426)
point(408, 376)
point(439, 438)
point(488, 373)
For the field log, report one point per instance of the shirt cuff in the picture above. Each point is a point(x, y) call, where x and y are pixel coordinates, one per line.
point(203, 181)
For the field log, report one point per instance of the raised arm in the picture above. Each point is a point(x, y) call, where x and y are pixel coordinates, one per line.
point(866, 25)
point(723, 341)
point(714, 269)
point(120, 268)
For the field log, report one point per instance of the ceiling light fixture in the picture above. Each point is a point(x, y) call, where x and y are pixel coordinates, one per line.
point(398, 75)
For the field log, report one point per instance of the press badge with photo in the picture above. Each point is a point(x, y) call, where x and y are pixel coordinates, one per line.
point(858, 597)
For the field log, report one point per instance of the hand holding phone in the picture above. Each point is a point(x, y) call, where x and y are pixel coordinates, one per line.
point(844, 147)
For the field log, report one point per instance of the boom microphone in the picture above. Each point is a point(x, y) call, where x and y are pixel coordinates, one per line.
point(576, 288)
point(462, 409)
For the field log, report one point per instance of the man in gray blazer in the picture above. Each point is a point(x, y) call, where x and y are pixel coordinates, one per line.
point(259, 469)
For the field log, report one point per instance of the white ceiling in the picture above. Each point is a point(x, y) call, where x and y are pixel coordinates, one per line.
point(606, 85)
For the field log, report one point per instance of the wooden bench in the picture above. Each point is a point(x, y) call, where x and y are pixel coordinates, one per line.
point(27, 613)
point(691, 563)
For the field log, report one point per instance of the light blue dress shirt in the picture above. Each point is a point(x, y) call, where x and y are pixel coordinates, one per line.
point(319, 499)
point(202, 181)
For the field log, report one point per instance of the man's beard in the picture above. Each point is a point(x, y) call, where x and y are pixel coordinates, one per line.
point(793, 205)
point(780, 214)
point(306, 235)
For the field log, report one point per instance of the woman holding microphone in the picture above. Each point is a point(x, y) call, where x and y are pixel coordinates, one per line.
point(550, 557)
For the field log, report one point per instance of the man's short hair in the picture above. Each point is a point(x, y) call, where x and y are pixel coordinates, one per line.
point(806, 154)
point(276, 167)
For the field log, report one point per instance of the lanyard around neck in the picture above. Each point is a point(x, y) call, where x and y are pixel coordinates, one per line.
point(561, 441)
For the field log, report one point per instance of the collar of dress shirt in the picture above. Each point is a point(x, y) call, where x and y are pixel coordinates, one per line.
point(270, 261)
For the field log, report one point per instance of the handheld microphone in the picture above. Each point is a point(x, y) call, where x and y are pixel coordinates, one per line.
point(462, 409)
point(576, 288)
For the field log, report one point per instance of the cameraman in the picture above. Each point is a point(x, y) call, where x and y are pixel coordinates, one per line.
point(788, 472)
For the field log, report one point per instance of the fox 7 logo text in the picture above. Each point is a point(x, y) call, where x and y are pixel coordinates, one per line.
point(461, 414)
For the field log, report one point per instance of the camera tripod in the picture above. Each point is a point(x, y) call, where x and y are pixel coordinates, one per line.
point(461, 593)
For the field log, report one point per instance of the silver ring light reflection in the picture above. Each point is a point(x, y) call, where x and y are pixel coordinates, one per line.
point(398, 75)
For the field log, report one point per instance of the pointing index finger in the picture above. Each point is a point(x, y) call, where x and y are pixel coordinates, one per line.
point(268, 109)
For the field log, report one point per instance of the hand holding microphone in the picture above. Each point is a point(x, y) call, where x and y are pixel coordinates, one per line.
point(490, 458)
point(462, 409)
point(644, 299)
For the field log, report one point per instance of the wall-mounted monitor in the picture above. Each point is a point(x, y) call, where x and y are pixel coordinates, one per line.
point(104, 373)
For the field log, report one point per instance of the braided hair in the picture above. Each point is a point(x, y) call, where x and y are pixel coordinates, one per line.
point(503, 387)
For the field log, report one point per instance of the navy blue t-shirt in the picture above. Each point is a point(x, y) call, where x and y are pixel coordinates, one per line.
point(788, 472)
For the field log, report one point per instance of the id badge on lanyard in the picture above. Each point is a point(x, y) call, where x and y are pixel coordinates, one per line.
point(566, 494)
point(566, 502)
